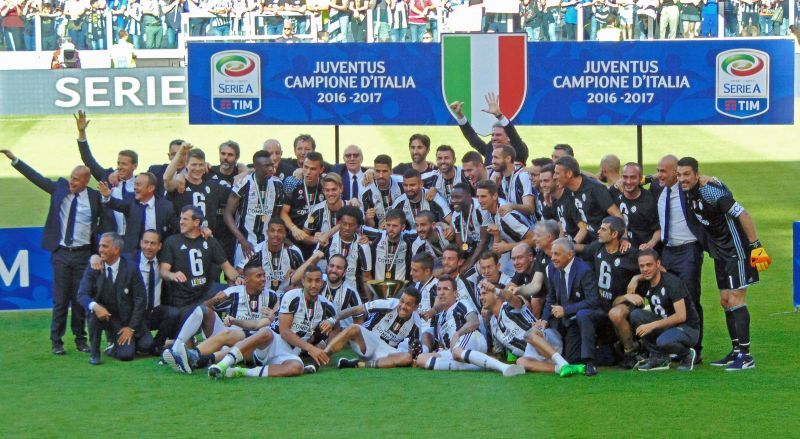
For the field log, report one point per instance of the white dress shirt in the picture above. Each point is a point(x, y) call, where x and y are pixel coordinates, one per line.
point(144, 268)
point(679, 232)
point(116, 192)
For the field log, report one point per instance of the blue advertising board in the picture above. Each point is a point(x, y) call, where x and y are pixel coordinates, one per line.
point(26, 277)
point(676, 82)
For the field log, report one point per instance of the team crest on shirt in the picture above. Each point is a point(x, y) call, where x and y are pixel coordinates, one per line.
point(205, 245)
point(633, 209)
point(208, 190)
point(616, 262)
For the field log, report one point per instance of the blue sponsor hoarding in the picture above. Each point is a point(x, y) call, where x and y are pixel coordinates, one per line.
point(26, 276)
point(590, 83)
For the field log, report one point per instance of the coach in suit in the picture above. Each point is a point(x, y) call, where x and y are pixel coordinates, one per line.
point(682, 236)
point(158, 316)
point(351, 171)
point(144, 212)
point(122, 178)
point(116, 300)
point(69, 234)
point(572, 298)
point(503, 131)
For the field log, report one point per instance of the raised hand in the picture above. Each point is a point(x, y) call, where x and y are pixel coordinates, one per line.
point(8, 154)
point(457, 108)
point(81, 122)
point(105, 191)
point(493, 104)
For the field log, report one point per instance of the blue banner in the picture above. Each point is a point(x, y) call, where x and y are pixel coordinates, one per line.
point(680, 82)
point(26, 276)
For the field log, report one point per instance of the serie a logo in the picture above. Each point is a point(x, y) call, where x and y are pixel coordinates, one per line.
point(235, 83)
point(742, 83)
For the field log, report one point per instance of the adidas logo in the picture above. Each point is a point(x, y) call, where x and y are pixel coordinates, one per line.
point(183, 246)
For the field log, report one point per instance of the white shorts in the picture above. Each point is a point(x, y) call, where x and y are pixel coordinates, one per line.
point(277, 352)
point(551, 336)
point(474, 341)
point(376, 348)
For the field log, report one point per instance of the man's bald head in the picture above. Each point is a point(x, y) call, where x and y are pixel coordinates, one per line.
point(273, 148)
point(521, 249)
point(610, 163)
point(79, 179)
point(668, 171)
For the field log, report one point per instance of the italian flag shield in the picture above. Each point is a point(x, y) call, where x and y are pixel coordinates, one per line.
point(474, 65)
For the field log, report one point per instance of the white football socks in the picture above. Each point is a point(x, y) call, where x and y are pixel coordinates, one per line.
point(484, 361)
point(190, 326)
point(559, 361)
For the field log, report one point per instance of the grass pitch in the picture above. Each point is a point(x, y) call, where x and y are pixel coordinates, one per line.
point(64, 396)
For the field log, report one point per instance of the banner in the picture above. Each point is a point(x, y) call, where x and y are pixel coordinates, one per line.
point(676, 82)
point(98, 91)
point(26, 277)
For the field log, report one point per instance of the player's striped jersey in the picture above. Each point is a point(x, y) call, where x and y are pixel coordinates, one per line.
point(714, 207)
point(385, 321)
point(435, 246)
point(514, 187)
point(438, 207)
point(390, 260)
point(342, 297)
point(306, 317)
point(248, 307)
point(510, 326)
point(257, 204)
point(513, 225)
point(278, 265)
point(321, 218)
point(444, 186)
point(475, 279)
point(449, 321)
point(380, 199)
point(359, 256)
point(468, 226)
point(427, 292)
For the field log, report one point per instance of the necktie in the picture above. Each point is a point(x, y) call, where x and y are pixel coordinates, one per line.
point(151, 285)
point(69, 235)
point(110, 275)
point(122, 190)
point(354, 190)
point(143, 226)
point(667, 204)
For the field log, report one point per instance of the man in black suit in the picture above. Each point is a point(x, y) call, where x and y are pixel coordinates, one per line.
point(158, 315)
point(571, 299)
point(144, 212)
point(158, 170)
point(503, 131)
point(116, 300)
point(122, 178)
point(69, 234)
point(351, 172)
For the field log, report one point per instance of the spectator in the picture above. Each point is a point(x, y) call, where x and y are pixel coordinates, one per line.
point(117, 9)
point(731, 12)
point(29, 12)
point(418, 18)
point(533, 16)
point(134, 22)
point(646, 12)
point(122, 54)
point(570, 19)
point(689, 17)
point(317, 12)
point(383, 21)
point(709, 20)
point(611, 32)
point(626, 18)
point(96, 25)
point(76, 11)
point(197, 26)
point(273, 20)
point(358, 24)
point(173, 13)
point(780, 20)
point(240, 10)
point(427, 37)
point(48, 18)
point(765, 17)
point(749, 10)
point(13, 25)
point(288, 34)
point(601, 12)
point(151, 23)
point(297, 9)
point(221, 23)
point(339, 26)
point(399, 20)
point(668, 21)
point(553, 19)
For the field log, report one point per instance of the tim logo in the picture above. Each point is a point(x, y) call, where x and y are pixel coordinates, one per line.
point(742, 83)
point(235, 83)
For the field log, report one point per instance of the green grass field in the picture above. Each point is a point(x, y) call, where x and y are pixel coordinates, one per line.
point(60, 396)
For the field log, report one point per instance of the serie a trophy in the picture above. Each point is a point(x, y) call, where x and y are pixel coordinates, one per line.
point(381, 289)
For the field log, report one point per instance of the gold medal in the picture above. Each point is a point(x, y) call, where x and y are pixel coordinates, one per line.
point(264, 218)
point(388, 275)
point(275, 284)
point(465, 246)
point(311, 219)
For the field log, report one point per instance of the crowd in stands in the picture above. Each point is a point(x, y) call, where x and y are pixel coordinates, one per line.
point(156, 24)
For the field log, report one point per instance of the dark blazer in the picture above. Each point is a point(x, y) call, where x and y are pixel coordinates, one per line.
point(341, 169)
point(58, 190)
point(486, 148)
point(158, 171)
point(129, 287)
point(166, 221)
point(107, 222)
point(582, 290)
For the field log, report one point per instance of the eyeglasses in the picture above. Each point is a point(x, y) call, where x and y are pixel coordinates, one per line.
point(352, 156)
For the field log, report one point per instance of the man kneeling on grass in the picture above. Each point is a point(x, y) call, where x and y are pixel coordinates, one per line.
point(386, 337)
point(304, 321)
point(672, 327)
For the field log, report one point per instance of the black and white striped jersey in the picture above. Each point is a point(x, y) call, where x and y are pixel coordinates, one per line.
point(306, 317)
point(384, 320)
point(509, 327)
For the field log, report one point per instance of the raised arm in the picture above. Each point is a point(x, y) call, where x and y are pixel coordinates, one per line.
point(466, 129)
point(170, 182)
point(98, 172)
point(34, 177)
